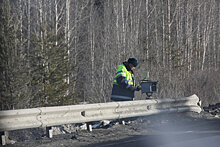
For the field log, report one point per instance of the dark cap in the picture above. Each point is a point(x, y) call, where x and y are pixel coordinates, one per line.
point(133, 61)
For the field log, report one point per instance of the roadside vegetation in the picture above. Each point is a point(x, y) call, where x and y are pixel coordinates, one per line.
point(58, 52)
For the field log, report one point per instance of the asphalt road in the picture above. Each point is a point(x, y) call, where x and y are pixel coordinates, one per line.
point(184, 132)
point(183, 139)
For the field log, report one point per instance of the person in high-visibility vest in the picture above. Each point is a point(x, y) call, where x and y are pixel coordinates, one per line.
point(124, 84)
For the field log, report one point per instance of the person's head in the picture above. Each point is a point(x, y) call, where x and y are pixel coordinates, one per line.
point(133, 62)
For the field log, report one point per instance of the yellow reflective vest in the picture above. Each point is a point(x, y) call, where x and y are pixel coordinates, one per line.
point(123, 80)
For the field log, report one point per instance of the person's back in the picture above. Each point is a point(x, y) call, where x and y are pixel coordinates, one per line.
point(124, 83)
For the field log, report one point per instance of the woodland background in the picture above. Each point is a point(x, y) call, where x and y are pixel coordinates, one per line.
point(63, 52)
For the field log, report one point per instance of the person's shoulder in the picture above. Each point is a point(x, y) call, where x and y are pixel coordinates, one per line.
point(121, 66)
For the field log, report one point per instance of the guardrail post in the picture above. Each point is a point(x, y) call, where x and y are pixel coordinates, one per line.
point(122, 122)
point(49, 132)
point(89, 127)
point(4, 137)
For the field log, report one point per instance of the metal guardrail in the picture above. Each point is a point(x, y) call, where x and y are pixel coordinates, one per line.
point(52, 116)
